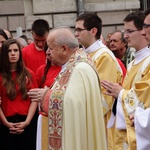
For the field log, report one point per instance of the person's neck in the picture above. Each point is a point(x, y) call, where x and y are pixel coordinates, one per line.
point(138, 48)
point(13, 67)
point(123, 50)
point(39, 49)
point(90, 43)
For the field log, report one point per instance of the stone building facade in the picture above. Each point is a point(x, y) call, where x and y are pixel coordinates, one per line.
point(22, 13)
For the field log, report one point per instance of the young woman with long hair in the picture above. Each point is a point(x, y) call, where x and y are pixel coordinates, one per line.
point(17, 112)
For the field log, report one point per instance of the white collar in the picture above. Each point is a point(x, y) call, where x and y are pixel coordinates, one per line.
point(95, 46)
point(141, 55)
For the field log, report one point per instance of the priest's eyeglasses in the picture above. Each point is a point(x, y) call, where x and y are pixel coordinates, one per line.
point(79, 30)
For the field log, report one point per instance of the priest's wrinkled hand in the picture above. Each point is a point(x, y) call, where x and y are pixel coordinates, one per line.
point(37, 94)
point(112, 89)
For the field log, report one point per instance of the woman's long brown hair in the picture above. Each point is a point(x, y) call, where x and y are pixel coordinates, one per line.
point(48, 65)
point(23, 77)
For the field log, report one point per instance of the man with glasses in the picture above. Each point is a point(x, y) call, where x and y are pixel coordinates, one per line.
point(33, 54)
point(88, 30)
point(141, 117)
point(146, 25)
point(133, 95)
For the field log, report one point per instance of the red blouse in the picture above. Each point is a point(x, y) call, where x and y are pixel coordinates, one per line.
point(18, 105)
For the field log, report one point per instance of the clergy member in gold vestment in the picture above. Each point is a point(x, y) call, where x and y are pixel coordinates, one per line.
point(74, 102)
point(134, 93)
point(88, 30)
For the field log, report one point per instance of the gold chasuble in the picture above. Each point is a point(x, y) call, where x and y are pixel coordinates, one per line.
point(108, 69)
point(75, 114)
point(136, 94)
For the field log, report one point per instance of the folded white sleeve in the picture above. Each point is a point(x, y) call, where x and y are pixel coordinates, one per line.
point(120, 119)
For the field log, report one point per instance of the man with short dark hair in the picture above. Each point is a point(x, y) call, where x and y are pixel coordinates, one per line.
point(88, 30)
point(33, 54)
point(141, 117)
point(133, 94)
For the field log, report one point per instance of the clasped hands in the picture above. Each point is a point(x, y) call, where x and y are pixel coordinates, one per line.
point(16, 128)
point(113, 89)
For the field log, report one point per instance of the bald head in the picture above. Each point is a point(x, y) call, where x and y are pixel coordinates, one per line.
point(64, 35)
point(9, 34)
point(22, 42)
point(62, 44)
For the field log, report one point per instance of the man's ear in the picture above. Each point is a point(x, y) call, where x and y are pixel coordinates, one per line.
point(94, 31)
point(65, 48)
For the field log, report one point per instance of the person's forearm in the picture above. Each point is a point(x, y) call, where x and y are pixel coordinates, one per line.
point(31, 112)
point(3, 118)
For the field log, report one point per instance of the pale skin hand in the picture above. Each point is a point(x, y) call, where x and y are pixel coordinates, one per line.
point(17, 128)
point(112, 89)
point(37, 94)
point(12, 126)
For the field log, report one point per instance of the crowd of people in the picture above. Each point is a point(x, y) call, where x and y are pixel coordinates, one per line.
point(75, 90)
